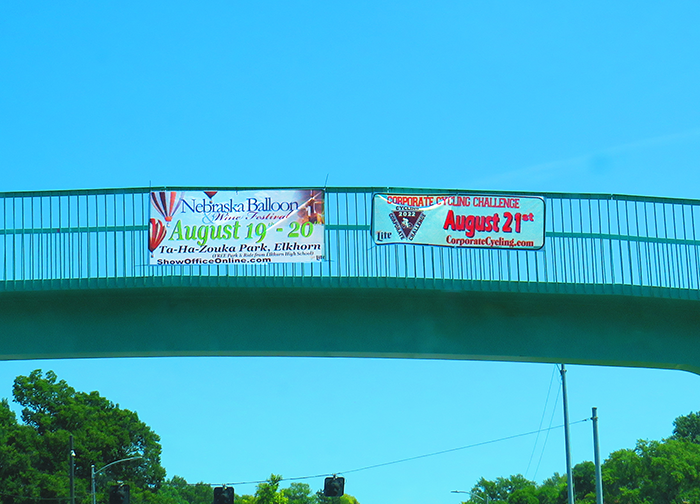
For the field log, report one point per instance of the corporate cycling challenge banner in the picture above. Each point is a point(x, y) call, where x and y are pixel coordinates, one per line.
point(482, 221)
point(236, 227)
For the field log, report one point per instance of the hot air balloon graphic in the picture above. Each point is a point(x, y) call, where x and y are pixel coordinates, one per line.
point(210, 193)
point(166, 203)
point(156, 234)
point(312, 209)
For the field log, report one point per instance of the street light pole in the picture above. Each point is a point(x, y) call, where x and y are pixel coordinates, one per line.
point(92, 479)
point(93, 473)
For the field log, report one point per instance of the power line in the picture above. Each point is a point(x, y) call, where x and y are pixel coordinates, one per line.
point(507, 438)
point(366, 468)
point(544, 413)
point(408, 459)
point(551, 420)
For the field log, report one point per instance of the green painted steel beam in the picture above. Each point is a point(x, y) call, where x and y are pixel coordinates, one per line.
point(345, 282)
point(614, 330)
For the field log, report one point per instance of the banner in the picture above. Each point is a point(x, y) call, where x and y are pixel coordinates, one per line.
point(482, 221)
point(236, 227)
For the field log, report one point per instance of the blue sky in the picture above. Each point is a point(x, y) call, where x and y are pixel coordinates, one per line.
point(464, 94)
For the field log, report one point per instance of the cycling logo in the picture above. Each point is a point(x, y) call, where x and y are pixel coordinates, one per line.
point(407, 222)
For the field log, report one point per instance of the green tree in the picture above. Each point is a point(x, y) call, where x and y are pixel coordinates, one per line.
point(654, 472)
point(343, 499)
point(17, 445)
point(527, 495)
point(267, 493)
point(687, 428)
point(245, 499)
point(299, 493)
point(583, 475)
point(553, 490)
point(519, 490)
point(178, 491)
point(501, 490)
point(34, 457)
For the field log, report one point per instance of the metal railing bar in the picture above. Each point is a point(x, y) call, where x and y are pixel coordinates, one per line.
point(370, 190)
point(66, 239)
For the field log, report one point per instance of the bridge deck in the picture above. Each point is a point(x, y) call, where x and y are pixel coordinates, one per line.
point(73, 260)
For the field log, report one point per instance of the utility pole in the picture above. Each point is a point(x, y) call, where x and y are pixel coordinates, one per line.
point(596, 452)
point(72, 471)
point(569, 476)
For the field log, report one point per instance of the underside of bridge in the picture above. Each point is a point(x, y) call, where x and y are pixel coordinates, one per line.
point(601, 329)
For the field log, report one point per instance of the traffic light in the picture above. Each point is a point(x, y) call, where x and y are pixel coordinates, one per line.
point(334, 486)
point(223, 495)
point(119, 494)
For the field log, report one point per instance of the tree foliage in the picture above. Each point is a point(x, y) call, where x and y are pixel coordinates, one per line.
point(653, 472)
point(297, 493)
point(687, 428)
point(35, 460)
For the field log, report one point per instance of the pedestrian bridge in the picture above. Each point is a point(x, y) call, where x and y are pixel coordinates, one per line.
point(616, 283)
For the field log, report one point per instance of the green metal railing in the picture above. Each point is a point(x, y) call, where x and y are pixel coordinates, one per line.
point(598, 244)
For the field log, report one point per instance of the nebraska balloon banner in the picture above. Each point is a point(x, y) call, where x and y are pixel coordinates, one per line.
point(482, 221)
point(236, 227)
